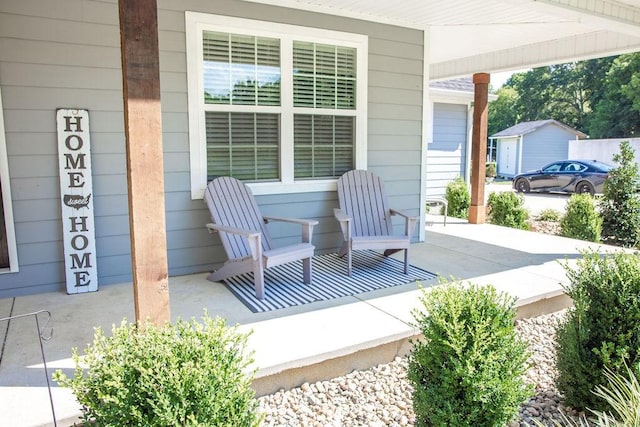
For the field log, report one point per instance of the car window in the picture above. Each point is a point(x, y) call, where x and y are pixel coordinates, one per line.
point(601, 167)
point(554, 167)
point(573, 167)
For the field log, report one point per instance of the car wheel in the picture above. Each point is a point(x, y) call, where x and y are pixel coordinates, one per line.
point(585, 187)
point(522, 186)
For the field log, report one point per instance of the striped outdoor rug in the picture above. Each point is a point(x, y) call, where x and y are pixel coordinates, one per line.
point(284, 286)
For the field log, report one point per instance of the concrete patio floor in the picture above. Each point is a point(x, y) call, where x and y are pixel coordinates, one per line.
point(295, 345)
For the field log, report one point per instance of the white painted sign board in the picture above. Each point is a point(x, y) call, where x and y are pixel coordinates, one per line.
point(76, 187)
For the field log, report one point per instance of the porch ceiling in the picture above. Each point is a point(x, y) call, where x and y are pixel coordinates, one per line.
point(468, 36)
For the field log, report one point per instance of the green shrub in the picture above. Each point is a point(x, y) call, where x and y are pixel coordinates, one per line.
point(601, 329)
point(620, 207)
point(491, 170)
point(468, 370)
point(458, 198)
point(507, 208)
point(549, 215)
point(581, 220)
point(185, 374)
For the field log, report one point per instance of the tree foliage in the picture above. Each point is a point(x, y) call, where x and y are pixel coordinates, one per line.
point(617, 115)
point(600, 97)
point(502, 111)
point(620, 207)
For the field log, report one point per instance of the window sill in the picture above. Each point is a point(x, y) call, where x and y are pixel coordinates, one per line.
point(266, 188)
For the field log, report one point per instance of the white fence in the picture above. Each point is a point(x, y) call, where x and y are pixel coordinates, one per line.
point(601, 149)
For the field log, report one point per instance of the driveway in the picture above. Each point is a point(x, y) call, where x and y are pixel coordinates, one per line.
point(533, 202)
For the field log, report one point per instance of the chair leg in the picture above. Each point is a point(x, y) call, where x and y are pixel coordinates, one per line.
point(258, 280)
point(349, 262)
point(344, 249)
point(307, 270)
point(406, 261)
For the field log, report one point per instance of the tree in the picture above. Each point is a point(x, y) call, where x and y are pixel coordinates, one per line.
point(533, 88)
point(570, 95)
point(617, 114)
point(620, 206)
point(567, 92)
point(502, 112)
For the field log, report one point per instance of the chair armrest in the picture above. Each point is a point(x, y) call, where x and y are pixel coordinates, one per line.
point(310, 222)
point(254, 238)
point(345, 223)
point(341, 216)
point(233, 230)
point(410, 221)
point(307, 225)
point(402, 214)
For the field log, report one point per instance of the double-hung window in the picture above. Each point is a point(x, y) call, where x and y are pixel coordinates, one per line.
point(280, 107)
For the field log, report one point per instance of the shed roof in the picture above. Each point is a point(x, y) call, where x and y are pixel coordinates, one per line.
point(528, 127)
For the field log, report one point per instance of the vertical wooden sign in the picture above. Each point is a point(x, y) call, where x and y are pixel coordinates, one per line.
point(76, 188)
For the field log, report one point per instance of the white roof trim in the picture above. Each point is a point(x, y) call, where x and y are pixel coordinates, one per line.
point(593, 45)
point(599, 13)
point(300, 5)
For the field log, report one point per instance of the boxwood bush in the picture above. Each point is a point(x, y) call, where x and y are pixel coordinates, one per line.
point(507, 208)
point(491, 170)
point(601, 330)
point(468, 370)
point(581, 219)
point(458, 198)
point(187, 374)
point(549, 215)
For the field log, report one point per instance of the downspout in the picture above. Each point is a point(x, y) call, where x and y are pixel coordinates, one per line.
point(427, 132)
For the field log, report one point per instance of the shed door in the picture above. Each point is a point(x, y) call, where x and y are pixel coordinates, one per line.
point(507, 157)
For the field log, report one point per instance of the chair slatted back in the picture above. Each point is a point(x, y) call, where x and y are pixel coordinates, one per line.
point(231, 203)
point(361, 196)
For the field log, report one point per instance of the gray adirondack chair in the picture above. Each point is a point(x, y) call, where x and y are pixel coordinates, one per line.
point(245, 237)
point(365, 219)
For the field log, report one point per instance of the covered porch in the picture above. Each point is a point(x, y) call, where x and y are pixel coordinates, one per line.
point(307, 343)
point(49, 64)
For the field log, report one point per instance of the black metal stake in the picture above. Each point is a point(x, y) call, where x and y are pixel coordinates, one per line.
point(41, 338)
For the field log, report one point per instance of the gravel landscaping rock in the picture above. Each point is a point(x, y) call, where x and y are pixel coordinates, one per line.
point(547, 227)
point(381, 396)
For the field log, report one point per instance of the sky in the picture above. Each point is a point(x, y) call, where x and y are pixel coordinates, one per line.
point(498, 79)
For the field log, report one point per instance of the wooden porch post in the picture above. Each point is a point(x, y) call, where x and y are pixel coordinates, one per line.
point(477, 209)
point(143, 130)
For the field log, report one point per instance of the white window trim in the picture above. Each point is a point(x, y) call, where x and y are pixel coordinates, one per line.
point(6, 199)
point(197, 22)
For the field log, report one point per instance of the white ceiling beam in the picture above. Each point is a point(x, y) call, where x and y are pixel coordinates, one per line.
point(601, 14)
point(586, 46)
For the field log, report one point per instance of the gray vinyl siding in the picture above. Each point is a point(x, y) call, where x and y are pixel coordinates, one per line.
point(447, 154)
point(67, 54)
point(545, 145)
